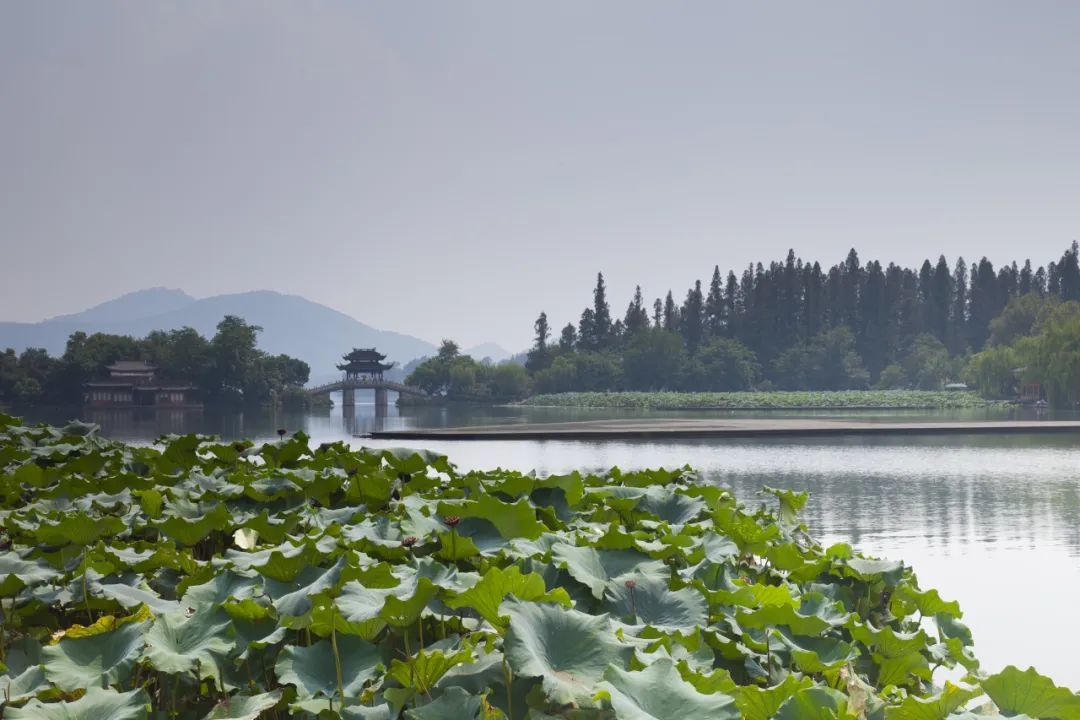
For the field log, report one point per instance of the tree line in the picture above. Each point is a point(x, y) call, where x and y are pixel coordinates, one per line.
point(228, 368)
point(796, 325)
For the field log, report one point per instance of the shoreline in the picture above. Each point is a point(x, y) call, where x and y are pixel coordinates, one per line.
point(745, 428)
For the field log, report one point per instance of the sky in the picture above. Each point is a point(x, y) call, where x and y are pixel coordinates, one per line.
point(452, 169)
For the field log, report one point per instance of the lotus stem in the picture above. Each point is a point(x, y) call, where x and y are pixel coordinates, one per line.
point(509, 695)
point(337, 658)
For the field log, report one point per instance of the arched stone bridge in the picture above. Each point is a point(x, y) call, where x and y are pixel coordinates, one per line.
point(348, 388)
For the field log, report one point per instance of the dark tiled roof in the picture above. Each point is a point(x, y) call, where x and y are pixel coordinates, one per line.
point(131, 366)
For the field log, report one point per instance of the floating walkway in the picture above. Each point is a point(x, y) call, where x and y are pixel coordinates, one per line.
point(654, 429)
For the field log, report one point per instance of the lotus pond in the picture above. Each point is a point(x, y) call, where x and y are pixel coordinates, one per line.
point(199, 579)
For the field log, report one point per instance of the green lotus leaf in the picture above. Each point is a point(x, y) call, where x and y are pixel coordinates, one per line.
point(96, 704)
point(224, 586)
point(597, 568)
point(670, 506)
point(898, 670)
point(658, 692)
point(1016, 691)
point(818, 654)
point(421, 671)
point(567, 649)
point(294, 599)
point(718, 548)
point(791, 503)
point(813, 703)
point(486, 596)
point(94, 660)
point(313, 671)
point(190, 531)
point(18, 573)
point(129, 596)
point(757, 703)
point(244, 707)
point(815, 615)
point(886, 642)
point(512, 520)
point(936, 707)
point(78, 528)
point(650, 602)
point(24, 677)
point(399, 606)
point(377, 712)
point(454, 546)
point(927, 602)
point(867, 569)
point(453, 703)
point(180, 644)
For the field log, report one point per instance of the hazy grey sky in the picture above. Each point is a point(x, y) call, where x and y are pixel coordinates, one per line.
point(449, 169)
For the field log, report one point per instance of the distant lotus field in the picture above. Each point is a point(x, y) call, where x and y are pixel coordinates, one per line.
point(780, 400)
point(228, 581)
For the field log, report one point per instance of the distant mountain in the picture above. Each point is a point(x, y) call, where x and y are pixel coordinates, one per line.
point(492, 351)
point(291, 324)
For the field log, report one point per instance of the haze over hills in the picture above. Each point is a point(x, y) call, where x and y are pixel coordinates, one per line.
point(291, 324)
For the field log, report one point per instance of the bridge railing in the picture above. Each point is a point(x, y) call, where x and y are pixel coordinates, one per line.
point(361, 384)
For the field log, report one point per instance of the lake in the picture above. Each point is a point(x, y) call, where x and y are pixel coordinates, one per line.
point(991, 521)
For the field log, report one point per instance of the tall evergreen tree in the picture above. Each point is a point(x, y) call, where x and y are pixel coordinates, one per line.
point(1027, 279)
point(671, 313)
point(941, 293)
point(587, 339)
point(957, 335)
point(692, 318)
point(657, 313)
point(714, 305)
point(568, 338)
point(732, 305)
point(637, 317)
point(601, 313)
point(539, 356)
point(1069, 271)
point(984, 303)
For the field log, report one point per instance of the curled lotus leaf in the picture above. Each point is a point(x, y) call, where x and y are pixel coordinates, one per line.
point(814, 703)
point(312, 669)
point(1016, 691)
point(568, 650)
point(178, 643)
point(244, 707)
point(597, 568)
point(658, 692)
point(648, 601)
point(96, 704)
point(452, 703)
point(496, 584)
point(94, 660)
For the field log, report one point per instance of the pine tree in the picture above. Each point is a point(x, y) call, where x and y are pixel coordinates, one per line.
point(1069, 271)
point(539, 356)
point(568, 338)
point(941, 292)
point(714, 305)
point(657, 313)
point(1027, 280)
point(692, 318)
point(732, 305)
point(637, 317)
point(587, 339)
point(671, 313)
point(601, 313)
point(984, 303)
point(957, 335)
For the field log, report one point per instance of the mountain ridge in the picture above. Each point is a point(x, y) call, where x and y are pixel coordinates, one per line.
point(291, 324)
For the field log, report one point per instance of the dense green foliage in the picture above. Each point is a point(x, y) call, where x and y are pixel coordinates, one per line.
point(795, 325)
point(204, 580)
point(1036, 342)
point(454, 376)
point(799, 399)
point(227, 368)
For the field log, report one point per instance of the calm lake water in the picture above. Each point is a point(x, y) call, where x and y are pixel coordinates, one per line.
point(992, 521)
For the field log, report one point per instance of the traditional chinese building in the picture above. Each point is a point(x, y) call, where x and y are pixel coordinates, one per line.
point(364, 364)
point(134, 383)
